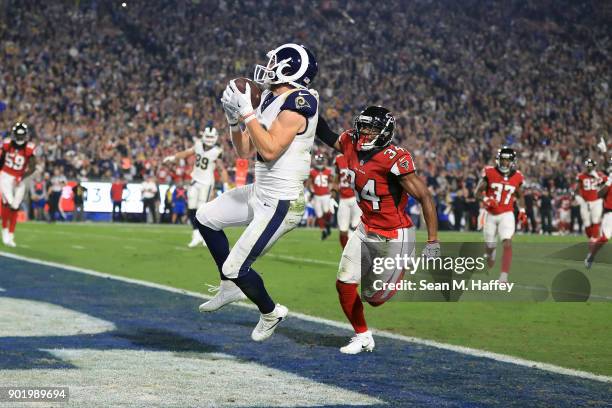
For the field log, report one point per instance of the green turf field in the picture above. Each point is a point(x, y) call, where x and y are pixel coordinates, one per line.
point(300, 273)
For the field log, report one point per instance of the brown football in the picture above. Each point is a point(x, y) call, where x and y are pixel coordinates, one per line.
point(255, 91)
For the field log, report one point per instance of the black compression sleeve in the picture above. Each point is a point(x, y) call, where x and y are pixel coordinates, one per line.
point(327, 136)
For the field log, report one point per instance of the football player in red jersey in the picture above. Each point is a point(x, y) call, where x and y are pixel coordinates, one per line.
point(604, 193)
point(19, 162)
point(591, 206)
point(498, 188)
point(349, 213)
point(382, 175)
point(318, 183)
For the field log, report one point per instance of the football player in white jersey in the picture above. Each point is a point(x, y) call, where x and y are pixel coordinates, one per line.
point(207, 158)
point(280, 132)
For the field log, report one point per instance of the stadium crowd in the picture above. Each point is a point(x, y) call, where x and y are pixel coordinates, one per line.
point(108, 90)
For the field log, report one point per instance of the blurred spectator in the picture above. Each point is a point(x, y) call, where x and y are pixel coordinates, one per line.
point(150, 195)
point(116, 194)
point(80, 195)
point(58, 181)
point(546, 211)
point(167, 215)
point(179, 203)
point(38, 197)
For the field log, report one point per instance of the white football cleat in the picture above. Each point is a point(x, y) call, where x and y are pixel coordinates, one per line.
point(268, 323)
point(588, 261)
point(227, 292)
point(10, 242)
point(5, 235)
point(196, 239)
point(360, 342)
point(503, 277)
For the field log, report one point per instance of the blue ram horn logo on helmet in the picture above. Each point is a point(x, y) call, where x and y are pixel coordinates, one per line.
point(291, 64)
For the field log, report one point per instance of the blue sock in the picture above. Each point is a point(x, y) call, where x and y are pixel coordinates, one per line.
point(217, 244)
point(192, 218)
point(253, 287)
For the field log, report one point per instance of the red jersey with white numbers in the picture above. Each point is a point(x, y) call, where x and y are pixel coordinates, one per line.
point(589, 184)
point(346, 190)
point(375, 179)
point(501, 188)
point(320, 181)
point(16, 158)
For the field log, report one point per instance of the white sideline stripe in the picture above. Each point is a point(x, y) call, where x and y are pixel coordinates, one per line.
point(305, 260)
point(431, 343)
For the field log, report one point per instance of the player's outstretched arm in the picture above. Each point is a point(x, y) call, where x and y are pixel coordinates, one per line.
point(270, 144)
point(180, 155)
point(328, 136)
point(414, 185)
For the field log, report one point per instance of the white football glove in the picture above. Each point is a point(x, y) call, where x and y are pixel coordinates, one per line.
point(230, 107)
point(242, 101)
point(432, 250)
point(602, 145)
point(169, 159)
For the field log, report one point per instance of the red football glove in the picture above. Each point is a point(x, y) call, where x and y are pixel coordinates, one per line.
point(522, 216)
point(490, 203)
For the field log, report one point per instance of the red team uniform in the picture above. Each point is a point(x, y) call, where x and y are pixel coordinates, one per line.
point(502, 186)
point(500, 206)
point(349, 212)
point(320, 178)
point(16, 159)
point(606, 226)
point(591, 206)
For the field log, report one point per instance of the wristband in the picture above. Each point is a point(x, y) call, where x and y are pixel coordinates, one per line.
point(234, 128)
point(249, 117)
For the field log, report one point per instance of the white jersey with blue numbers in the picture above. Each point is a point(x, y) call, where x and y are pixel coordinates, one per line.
point(284, 177)
point(205, 163)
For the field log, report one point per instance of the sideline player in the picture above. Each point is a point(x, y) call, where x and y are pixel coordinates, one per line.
point(498, 188)
point(208, 157)
point(381, 175)
point(319, 183)
point(591, 206)
point(19, 162)
point(606, 226)
point(280, 131)
point(349, 213)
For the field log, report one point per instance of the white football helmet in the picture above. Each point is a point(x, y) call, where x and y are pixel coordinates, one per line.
point(288, 64)
point(209, 136)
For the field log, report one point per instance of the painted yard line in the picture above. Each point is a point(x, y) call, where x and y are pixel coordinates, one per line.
point(345, 326)
point(78, 247)
point(297, 259)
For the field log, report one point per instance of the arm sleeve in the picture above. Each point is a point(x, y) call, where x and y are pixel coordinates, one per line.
point(327, 136)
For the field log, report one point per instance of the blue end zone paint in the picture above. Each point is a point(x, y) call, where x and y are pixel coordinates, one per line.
point(399, 373)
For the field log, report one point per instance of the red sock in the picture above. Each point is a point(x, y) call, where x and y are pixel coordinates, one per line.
point(321, 222)
point(595, 230)
point(595, 246)
point(343, 239)
point(587, 230)
point(506, 259)
point(13, 220)
point(351, 305)
point(6, 214)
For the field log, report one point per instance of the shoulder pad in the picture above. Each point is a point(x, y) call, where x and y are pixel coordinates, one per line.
point(302, 102)
point(404, 164)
